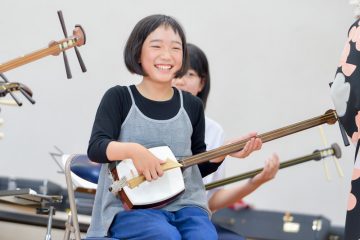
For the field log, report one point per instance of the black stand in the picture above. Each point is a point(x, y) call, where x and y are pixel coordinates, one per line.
point(42, 203)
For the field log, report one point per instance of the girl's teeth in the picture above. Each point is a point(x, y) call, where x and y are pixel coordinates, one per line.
point(163, 67)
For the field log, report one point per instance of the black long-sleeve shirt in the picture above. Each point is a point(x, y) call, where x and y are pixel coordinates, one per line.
point(115, 106)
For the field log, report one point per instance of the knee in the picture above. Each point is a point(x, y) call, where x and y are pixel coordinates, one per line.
point(167, 233)
point(200, 235)
point(205, 232)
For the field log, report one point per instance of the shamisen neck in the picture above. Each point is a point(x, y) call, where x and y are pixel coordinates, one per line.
point(329, 117)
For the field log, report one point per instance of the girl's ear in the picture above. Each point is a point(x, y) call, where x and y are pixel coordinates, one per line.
point(202, 84)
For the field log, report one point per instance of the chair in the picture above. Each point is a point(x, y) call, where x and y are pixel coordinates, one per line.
point(81, 175)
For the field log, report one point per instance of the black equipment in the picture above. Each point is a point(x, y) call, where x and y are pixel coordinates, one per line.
point(271, 225)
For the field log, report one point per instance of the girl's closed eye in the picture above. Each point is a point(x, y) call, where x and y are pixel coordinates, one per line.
point(176, 46)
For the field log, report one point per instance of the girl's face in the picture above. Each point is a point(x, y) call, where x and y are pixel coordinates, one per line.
point(161, 54)
point(190, 82)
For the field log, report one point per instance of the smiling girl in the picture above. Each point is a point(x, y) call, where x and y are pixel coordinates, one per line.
point(131, 119)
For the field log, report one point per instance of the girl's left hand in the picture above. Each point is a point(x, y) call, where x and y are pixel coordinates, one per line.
point(271, 168)
point(252, 145)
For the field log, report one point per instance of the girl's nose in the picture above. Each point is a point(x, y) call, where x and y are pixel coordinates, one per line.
point(165, 54)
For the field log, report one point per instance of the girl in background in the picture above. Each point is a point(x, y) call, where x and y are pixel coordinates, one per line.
point(197, 82)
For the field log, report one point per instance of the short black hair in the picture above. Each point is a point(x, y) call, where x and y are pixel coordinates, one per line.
point(142, 29)
point(199, 63)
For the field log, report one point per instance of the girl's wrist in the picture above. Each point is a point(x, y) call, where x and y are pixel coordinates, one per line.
point(131, 149)
point(253, 182)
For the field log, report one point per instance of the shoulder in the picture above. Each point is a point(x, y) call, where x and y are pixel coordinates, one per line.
point(117, 91)
point(354, 26)
point(210, 123)
point(214, 134)
point(193, 106)
point(191, 101)
point(116, 98)
point(117, 94)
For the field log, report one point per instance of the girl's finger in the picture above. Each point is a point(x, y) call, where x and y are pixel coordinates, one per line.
point(153, 173)
point(159, 170)
point(147, 175)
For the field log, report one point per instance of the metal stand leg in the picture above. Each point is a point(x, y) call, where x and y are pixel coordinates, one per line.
point(49, 225)
point(68, 227)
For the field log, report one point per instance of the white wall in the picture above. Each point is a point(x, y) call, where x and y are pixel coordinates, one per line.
point(271, 62)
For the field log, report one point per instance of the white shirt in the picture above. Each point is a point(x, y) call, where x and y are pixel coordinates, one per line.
point(214, 138)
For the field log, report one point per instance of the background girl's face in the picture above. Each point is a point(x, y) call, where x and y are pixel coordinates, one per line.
point(161, 54)
point(190, 82)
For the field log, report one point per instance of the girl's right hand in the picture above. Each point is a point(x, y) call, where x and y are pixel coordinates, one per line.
point(146, 163)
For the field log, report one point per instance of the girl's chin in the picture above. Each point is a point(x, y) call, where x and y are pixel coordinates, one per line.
point(164, 77)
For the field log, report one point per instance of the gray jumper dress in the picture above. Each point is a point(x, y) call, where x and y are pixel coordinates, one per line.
point(174, 132)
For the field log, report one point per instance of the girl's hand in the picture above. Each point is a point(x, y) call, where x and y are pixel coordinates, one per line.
point(252, 145)
point(146, 163)
point(271, 168)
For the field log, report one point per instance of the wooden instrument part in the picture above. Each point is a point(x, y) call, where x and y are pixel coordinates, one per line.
point(330, 117)
point(167, 165)
point(334, 150)
point(55, 48)
point(8, 87)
